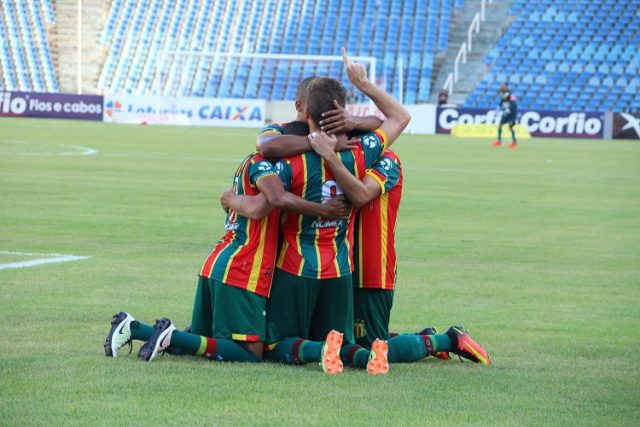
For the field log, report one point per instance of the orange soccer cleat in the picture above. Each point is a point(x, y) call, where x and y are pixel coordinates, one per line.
point(330, 357)
point(512, 145)
point(497, 143)
point(378, 362)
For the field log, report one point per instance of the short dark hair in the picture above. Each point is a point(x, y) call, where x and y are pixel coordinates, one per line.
point(302, 90)
point(322, 92)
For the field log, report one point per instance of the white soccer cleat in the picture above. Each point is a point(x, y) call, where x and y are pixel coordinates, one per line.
point(119, 334)
point(159, 341)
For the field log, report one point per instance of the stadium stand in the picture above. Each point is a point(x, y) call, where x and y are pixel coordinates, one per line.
point(136, 31)
point(570, 55)
point(25, 58)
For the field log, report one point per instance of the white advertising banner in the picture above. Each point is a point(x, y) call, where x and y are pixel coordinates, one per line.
point(423, 116)
point(189, 111)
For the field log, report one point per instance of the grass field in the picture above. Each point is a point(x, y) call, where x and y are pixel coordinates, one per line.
point(535, 250)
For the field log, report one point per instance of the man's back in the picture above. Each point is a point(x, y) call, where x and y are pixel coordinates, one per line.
point(314, 247)
point(375, 255)
point(245, 255)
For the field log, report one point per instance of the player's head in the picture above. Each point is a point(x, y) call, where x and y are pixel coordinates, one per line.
point(322, 92)
point(504, 87)
point(301, 94)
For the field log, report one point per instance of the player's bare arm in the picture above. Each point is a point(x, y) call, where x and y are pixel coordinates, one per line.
point(397, 117)
point(275, 146)
point(272, 188)
point(339, 120)
point(358, 192)
point(252, 207)
point(272, 195)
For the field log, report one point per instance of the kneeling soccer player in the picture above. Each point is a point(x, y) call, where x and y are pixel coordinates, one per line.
point(228, 321)
point(378, 196)
point(374, 281)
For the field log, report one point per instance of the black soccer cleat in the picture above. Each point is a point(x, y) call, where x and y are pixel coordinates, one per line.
point(159, 341)
point(119, 334)
point(429, 330)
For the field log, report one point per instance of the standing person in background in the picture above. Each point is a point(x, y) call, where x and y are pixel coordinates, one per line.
point(509, 109)
point(443, 97)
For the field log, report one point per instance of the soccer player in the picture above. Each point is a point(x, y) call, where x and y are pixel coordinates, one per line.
point(509, 109)
point(312, 292)
point(228, 320)
point(312, 287)
point(378, 196)
point(288, 139)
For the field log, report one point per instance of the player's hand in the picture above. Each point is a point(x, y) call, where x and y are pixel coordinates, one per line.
point(346, 144)
point(323, 144)
point(337, 120)
point(337, 208)
point(356, 72)
point(224, 196)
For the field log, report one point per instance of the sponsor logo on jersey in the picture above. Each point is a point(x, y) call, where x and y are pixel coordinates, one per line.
point(369, 141)
point(231, 226)
point(386, 164)
point(330, 189)
point(327, 224)
point(264, 166)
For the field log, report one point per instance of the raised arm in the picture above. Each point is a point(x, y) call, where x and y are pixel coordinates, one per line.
point(397, 117)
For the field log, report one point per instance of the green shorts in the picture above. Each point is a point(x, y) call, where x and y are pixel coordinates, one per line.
point(309, 308)
point(228, 312)
point(372, 309)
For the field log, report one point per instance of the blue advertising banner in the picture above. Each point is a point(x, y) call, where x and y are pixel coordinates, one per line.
point(50, 105)
point(559, 124)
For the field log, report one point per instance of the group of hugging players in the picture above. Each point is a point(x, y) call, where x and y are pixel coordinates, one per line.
point(306, 269)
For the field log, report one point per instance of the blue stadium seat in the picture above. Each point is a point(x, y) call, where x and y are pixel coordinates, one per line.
point(135, 33)
point(587, 54)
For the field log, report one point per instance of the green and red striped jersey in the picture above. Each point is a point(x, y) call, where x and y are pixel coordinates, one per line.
point(375, 253)
point(246, 254)
point(314, 247)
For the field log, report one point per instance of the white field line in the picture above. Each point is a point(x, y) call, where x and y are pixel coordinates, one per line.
point(82, 151)
point(49, 259)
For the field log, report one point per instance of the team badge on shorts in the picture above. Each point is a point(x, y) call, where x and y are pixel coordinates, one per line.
point(358, 329)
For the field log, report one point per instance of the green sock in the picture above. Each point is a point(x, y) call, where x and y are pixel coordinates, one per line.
point(310, 351)
point(354, 355)
point(211, 348)
point(140, 331)
point(186, 342)
point(406, 348)
point(295, 351)
point(441, 342)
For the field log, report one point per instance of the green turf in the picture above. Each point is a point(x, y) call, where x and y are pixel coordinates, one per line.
point(535, 250)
